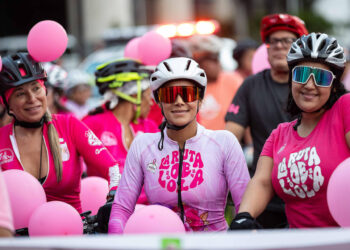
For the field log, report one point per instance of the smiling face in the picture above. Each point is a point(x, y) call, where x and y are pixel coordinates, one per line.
point(179, 112)
point(309, 97)
point(28, 102)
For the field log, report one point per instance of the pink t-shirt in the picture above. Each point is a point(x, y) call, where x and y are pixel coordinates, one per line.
point(213, 165)
point(6, 220)
point(109, 130)
point(217, 99)
point(303, 166)
point(76, 140)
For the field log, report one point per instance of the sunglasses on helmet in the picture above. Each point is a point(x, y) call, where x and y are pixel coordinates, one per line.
point(322, 77)
point(187, 93)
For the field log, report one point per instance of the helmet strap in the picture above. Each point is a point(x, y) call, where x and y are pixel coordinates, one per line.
point(29, 124)
point(133, 100)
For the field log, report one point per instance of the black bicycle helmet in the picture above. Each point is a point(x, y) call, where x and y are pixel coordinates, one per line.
point(13, 65)
point(109, 74)
point(318, 47)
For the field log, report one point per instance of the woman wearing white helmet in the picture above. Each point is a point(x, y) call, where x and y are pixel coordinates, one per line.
point(78, 91)
point(299, 157)
point(184, 167)
point(56, 83)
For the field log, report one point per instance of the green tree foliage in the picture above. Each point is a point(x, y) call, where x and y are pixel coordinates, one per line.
point(315, 22)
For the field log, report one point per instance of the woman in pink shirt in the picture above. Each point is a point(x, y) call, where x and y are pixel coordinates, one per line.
point(185, 167)
point(44, 145)
point(125, 86)
point(300, 156)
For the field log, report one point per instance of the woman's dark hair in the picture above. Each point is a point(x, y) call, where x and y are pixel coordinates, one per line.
point(337, 90)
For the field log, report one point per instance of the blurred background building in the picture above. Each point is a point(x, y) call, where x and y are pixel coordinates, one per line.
point(94, 24)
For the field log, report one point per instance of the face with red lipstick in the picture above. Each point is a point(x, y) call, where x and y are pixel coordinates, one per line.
point(309, 95)
point(28, 102)
point(180, 100)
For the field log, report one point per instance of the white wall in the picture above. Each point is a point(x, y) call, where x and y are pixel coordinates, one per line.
point(174, 11)
point(99, 15)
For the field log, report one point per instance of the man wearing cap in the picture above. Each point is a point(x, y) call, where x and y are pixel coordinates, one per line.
point(261, 100)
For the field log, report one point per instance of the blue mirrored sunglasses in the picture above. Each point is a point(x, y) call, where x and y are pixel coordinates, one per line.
point(322, 77)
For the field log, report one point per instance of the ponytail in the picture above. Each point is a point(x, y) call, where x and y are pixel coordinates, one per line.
point(54, 145)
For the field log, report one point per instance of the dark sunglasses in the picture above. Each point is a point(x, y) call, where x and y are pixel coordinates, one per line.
point(322, 77)
point(187, 93)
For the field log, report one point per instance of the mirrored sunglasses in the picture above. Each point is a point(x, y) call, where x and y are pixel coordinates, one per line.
point(322, 77)
point(187, 93)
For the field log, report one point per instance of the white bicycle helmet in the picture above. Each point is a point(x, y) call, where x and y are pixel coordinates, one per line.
point(317, 47)
point(56, 75)
point(77, 77)
point(177, 68)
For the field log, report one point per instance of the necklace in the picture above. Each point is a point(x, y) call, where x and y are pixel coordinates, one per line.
point(41, 153)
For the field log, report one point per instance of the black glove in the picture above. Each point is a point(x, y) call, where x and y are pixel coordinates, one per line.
point(103, 217)
point(244, 221)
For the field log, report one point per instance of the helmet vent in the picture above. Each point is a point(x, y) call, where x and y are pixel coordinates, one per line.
point(15, 57)
point(202, 75)
point(323, 44)
point(332, 47)
point(122, 65)
point(188, 65)
point(9, 76)
point(154, 79)
point(339, 54)
point(22, 70)
point(309, 43)
point(167, 66)
point(299, 43)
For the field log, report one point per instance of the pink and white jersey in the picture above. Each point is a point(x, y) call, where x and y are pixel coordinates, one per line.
point(213, 164)
point(75, 139)
point(6, 220)
point(303, 165)
point(109, 130)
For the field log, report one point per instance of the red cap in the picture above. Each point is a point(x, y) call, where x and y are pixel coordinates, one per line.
point(286, 22)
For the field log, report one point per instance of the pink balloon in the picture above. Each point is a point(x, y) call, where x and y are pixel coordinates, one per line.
point(338, 194)
point(260, 61)
point(154, 219)
point(25, 193)
point(93, 193)
point(154, 48)
point(132, 49)
point(47, 41)
point(55, 218)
